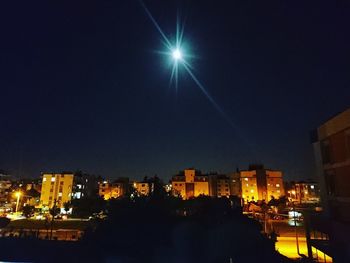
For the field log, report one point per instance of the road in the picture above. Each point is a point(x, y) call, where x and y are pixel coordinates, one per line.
point(286, 241)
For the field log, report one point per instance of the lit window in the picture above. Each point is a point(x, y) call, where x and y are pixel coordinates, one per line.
point(247, 184)
point(252, 191)
point(312, 187)
point(44, 179)
point(246, 179)
point(277, 185)
point(59, 194)
point(53, 179)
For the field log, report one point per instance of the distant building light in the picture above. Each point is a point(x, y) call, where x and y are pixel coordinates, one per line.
point(252, 191)
point(53, 179)
point(312, 186)
point(104, 182)
point(246, 179)
point(59, 194)
point(44, 179)
point(277, 185)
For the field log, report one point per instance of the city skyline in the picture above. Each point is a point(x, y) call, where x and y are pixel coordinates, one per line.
point(86, 89)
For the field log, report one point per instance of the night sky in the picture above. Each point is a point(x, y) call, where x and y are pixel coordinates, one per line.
point(82, 86)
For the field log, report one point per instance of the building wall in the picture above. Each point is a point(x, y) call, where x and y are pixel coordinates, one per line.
point(249, 186)
point(261, 184)
point(331, 143)
point(275, 185)
point(189, 175)
point(201, 188)
point(110, 190)
point(179, 188)
point(334, 143)
point(56, 187)
point(223, 187)
point(235, 184)
point(142, 188)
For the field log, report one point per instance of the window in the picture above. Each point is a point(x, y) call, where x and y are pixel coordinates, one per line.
point(252, 191)
point(246, 179)
point(277, 185)
point(326, 151)
point(61, 183)
point(51, 190)
point(44, 179)
point(60, 194)
point(312, 186)
point(330, 183)
point(53, 179)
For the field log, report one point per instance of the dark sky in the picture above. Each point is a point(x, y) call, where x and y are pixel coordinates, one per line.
point(83, 88)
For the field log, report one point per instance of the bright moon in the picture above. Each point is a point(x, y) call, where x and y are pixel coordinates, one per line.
point(177, 54)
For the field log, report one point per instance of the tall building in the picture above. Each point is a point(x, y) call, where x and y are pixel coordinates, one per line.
point(56, 188)
point(258, 183)
point(329, 233)
point(190, 183)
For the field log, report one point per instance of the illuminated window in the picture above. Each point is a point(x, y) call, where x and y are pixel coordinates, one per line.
point(277, 185)
point(44, 179)
point(246, 179)
point(312, 187)
point(252, 191)
point(53, 179)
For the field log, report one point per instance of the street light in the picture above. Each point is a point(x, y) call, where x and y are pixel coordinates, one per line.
point(18, 195)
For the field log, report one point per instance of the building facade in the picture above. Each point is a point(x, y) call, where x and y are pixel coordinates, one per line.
point(304, 192)
point(331, 143)
point(56, 189)
point(190, 183)
point(116, 189)
point(258, 184)
point(143, 188)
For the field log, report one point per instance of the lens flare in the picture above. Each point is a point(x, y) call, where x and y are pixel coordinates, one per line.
point(179, 58)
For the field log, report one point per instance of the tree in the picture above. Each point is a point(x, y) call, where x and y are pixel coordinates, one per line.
point(28, 211)
point(67, 206)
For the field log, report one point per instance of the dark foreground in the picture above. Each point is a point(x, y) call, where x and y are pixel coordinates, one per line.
point(157, 230)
